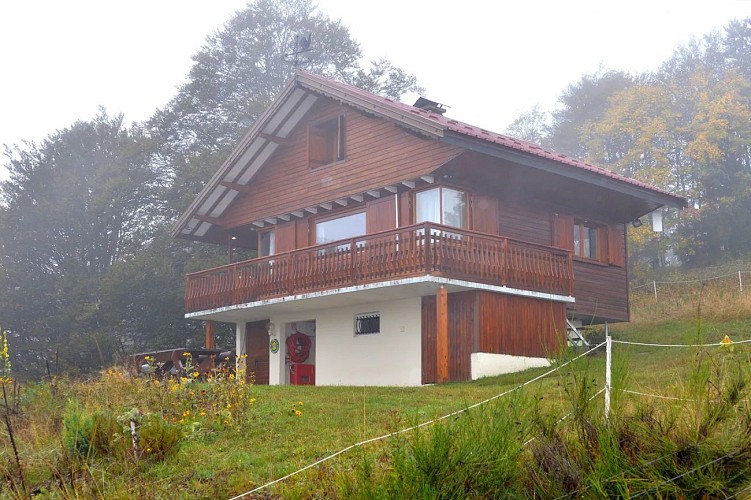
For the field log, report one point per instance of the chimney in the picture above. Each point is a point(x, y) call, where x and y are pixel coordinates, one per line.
point(429, 105)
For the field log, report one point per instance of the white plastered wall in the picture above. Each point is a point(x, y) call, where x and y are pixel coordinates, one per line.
point(392, 357)
point(485, 364)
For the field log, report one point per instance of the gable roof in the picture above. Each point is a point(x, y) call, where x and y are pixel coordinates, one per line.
point(305, 89)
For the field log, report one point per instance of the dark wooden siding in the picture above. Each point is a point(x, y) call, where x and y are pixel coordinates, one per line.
point(494, 323)
point(601, 292)
point(378, 153)
point(520, 326)
point(524, 223)
point(600, 286)
point(461, 314)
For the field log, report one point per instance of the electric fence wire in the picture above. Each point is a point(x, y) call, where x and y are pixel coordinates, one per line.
point(565, 416)
point(409, 429)
point(644, 492)
point(734, 495)
point(658, 396)
point(652, 283)
point(715, 344)
point(633, 469)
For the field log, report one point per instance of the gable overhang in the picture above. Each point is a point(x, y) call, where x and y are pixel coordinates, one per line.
point(270, 131)
point(250, 155)
point(650, 198)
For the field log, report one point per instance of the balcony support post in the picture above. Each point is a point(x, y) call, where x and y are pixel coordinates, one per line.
point(442, 335)
point(210, 342)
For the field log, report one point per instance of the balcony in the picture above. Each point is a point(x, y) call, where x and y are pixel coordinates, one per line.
point(406, 252)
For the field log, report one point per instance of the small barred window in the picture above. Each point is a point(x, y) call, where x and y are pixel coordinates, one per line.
point(368, 323)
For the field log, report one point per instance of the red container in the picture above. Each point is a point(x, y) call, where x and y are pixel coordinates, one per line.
point(300, 374)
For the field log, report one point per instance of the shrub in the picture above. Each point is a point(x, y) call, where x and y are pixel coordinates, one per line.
point(158, 438)
point(86, 436)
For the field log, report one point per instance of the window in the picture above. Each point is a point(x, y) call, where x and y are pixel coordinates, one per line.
point(368, 323)
point(441, 205)
point(326, 142)
point(266, 243)
point(585, 240)
point(340, 228)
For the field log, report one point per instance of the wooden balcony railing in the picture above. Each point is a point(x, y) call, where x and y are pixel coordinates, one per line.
point(405, 252)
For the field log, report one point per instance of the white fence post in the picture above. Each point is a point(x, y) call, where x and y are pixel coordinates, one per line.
point(608, 368)
point(740, 281)
point(654, 285)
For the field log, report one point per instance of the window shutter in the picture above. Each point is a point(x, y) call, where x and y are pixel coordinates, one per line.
point(603, 245)
point(485, 214)
point(340, 139)
point(616, 245)
point(317, 146)
point(563, 231)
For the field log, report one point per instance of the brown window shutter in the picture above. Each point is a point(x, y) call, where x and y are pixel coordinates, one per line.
point(485, 214)
point(616, 245)
point(602, 244)
point(285, 237)
point(563, 231)
point(317, 147)
point(341, 139)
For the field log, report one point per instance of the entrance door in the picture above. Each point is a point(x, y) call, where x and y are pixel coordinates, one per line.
point(257, 347)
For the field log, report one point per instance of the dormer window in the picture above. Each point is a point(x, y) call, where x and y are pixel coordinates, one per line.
point(326, 142)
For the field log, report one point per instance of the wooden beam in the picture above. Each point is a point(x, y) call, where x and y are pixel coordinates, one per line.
point(428, 178)
point(210, 220)
point(276, 140)
point(357, 197)
point(442, 335)
point(240, 188)
point(210, 342)
point(409, 184)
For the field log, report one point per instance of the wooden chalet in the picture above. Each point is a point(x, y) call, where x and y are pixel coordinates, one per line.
point(388, 244)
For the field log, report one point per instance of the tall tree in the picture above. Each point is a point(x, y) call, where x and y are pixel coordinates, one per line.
point(582, 103)
point(237, 74)
point(74, 205)
point(531, 126)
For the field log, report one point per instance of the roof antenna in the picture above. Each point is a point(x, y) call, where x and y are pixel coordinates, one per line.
point(302, 46)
